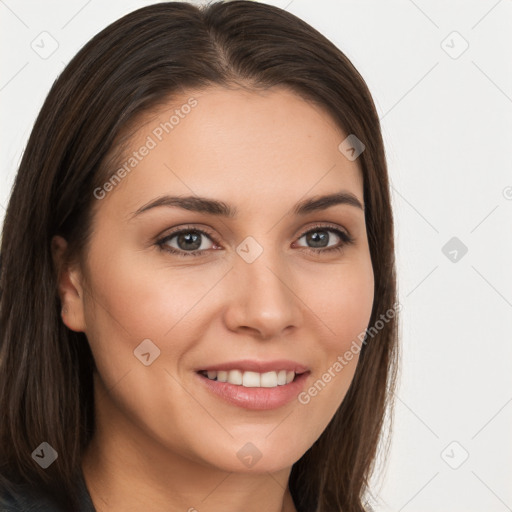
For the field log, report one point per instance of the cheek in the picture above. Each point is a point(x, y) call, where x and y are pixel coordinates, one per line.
point(136, 297)
point(343, 302)
point(343, 305)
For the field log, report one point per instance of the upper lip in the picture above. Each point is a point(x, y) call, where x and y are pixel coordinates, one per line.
point(252, 365)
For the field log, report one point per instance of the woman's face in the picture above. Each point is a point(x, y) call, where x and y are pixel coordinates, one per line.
point(261, 285)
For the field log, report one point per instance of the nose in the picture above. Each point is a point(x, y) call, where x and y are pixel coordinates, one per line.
point(263, 299)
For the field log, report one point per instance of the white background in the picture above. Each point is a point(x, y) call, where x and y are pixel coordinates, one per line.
point(447, 128)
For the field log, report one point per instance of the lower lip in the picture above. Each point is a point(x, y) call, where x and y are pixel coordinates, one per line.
point(259, 399)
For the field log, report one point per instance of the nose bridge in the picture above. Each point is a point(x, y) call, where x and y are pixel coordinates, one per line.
point(260, 260)
point(263, 296)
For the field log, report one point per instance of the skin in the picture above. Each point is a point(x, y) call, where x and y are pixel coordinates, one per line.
point(163, 441)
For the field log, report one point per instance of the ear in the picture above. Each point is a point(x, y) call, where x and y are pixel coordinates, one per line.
point(69, 282)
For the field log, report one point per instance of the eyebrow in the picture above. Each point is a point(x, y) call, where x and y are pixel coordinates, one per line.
point(220, 208)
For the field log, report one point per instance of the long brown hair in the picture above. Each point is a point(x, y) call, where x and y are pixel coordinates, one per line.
point(136, 63)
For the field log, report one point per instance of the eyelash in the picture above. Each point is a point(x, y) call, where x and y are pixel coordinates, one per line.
point(345, 237)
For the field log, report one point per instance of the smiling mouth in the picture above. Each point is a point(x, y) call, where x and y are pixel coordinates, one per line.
point(250, 379)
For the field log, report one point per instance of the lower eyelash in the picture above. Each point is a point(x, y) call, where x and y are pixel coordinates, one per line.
point(345, 237)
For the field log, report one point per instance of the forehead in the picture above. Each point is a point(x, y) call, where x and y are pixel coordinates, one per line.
point(219, 142)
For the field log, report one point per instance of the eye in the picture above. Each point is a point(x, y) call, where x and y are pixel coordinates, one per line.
point(319, 237)
point(189, 240)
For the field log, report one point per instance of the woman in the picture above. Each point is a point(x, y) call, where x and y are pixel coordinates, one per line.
point(250, 370)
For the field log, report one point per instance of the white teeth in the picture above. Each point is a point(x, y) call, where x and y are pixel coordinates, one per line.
point(252, 379)
point(235, 377)
point(269, 380)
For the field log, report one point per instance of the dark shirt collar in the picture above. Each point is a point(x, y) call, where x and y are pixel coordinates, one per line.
point(24, 499)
